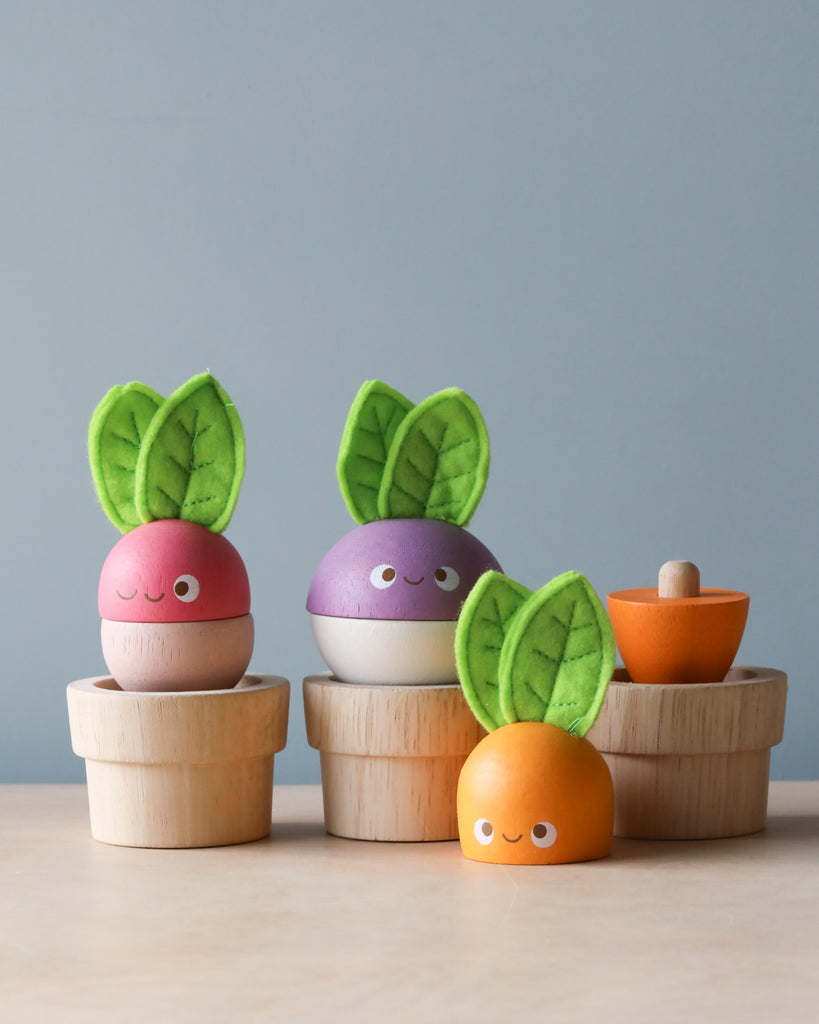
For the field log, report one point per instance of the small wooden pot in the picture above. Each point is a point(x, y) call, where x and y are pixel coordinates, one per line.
point(390, 756)
point(691, 761)
point(181, 769)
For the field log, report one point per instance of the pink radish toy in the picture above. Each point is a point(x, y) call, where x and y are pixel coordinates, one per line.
point(174, 594)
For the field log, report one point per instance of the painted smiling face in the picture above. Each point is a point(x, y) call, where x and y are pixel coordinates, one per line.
point(173, 571)
point(530, 793)
point(385, 599)
point(420, 569)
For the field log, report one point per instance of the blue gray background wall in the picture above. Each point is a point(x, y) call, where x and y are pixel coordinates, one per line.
point(602, 220)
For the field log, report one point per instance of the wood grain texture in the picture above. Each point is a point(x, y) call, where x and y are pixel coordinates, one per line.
point(678, 579)
point(691, 761)
point(179, 769)
point(390, 756)
point(391, 799)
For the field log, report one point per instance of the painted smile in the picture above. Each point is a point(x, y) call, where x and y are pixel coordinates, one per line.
point(154, 600)
point(508, 840)
point(413, 583)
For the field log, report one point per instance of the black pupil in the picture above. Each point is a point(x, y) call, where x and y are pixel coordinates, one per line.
point(539, 831)
point(388, 574)
point(486, 828)
point(181, 588)
point(440, 575)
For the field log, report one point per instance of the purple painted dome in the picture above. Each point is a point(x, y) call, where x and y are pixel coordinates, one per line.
point(416, 569)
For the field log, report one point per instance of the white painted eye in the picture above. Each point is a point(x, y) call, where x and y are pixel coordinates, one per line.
point(446, 577)
point(544, 834)
point(186, 588)
point(383, 576)
point(484, 832)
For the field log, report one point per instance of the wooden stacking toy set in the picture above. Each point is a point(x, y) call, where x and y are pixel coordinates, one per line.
point(459, 704)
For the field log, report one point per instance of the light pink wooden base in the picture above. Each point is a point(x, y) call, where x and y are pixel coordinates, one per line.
point(173, 656)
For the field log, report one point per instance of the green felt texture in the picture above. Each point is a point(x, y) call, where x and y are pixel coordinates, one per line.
point(374, 417)
point(483, 624)
point(193, 457)
point(558, 657)
point(115, 434)
point(438, 463)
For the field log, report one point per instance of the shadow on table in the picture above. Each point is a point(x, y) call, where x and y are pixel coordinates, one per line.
point(296, 832)
point(785, 826)
point(780, 830)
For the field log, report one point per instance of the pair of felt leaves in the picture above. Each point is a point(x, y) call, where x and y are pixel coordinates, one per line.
point(177, 458)
point(542, 656)
point(398, 460)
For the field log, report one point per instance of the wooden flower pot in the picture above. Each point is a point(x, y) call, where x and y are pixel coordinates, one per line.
point(691, 761)
point(180, 769)
point(390, 756)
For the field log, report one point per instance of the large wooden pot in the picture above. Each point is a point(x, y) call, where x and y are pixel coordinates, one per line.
point(390, 756)
point(691, 760)
point(182, 769)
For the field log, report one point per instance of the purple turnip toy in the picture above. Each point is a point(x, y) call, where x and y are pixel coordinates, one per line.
point(385, 599)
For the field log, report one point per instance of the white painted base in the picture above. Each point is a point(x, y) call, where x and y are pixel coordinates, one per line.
point(394, 652)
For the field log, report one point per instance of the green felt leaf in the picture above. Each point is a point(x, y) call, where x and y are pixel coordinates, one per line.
point(483, 624)
point(115, 435)
point(374, 417)
point(558, 657)
point(193, 457)
point(438, 464)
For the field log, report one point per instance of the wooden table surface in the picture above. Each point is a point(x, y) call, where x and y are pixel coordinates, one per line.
point(308, 927)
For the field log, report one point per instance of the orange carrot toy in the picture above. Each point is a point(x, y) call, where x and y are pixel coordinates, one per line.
point(534, 668)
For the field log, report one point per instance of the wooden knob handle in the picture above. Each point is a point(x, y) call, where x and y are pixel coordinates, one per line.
point(679, 579)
